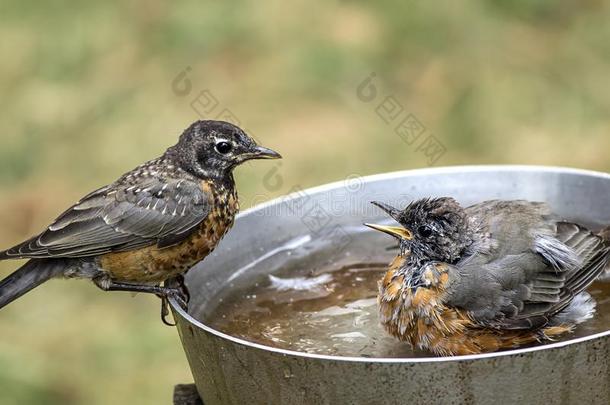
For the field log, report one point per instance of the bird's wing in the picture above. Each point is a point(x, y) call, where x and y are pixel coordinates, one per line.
point(524, 290)
point(121, 218)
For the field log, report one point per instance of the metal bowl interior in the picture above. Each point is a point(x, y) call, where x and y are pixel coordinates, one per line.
point(228, 370)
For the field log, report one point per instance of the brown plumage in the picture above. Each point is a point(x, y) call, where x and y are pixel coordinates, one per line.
point(425, 321)
point(152, 224)
point(492, 276)
point(154, 264)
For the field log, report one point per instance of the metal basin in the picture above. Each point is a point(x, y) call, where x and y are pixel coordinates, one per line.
point(228, 370)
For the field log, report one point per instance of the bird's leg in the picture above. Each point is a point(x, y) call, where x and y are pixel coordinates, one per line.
point(183, 297)
point(109, 285)
point(164, 292)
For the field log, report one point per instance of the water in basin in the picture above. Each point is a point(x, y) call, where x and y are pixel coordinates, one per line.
point(323, 300)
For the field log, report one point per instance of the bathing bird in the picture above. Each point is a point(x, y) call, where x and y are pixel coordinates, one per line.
point(491, 276)
point(149, 226)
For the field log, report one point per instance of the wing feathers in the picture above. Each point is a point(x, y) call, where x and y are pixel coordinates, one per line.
point(559, 255)
point(570, 258)
point(121, 218)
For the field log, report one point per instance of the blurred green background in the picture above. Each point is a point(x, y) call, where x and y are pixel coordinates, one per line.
point(90, 89)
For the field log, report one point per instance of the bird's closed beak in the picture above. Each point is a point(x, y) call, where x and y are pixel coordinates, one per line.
point(260, 152)
point(396, 231)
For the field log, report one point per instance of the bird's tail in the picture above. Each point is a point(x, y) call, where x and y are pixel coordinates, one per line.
point(28, 277)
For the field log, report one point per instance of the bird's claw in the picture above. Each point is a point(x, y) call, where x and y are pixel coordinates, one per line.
point(176, 289)
point(178, 282)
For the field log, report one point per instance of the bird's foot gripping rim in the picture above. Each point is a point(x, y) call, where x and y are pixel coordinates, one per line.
point(176, 289)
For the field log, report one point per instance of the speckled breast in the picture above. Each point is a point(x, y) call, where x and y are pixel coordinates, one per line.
point(154, 265)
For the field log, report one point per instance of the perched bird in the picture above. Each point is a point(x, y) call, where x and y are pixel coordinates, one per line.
point(491, 276)
point(152, 224)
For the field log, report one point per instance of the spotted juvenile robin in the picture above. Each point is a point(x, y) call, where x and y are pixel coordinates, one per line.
point(151, 225)
point(491, 276)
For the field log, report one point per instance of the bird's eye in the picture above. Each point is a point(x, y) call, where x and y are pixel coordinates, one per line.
point(223, 147)
point(424, 231)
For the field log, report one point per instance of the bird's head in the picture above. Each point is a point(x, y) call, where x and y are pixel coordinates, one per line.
point(430, 229)
point(212, 149)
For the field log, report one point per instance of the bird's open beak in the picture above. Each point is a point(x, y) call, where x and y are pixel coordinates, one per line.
point(260, 152)
point(396, 231)
point(391, 211)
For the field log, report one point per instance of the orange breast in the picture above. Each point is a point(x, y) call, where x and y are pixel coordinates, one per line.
point(419, 317)
point(154, 265)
